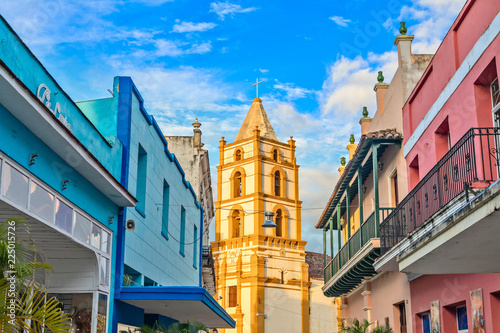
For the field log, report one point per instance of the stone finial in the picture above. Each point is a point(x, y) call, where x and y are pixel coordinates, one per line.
point(351, 139)
point(380, 77)
point(342, 161)
point(402, 28)
point(365, 111)
point(197, 134)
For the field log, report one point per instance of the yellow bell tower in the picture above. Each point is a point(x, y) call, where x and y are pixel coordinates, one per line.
point(261, 273)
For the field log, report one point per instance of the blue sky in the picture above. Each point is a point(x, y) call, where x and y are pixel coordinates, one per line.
point(190, 58)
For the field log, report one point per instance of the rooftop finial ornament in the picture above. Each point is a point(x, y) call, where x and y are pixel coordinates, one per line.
point(365, 111)
point(380, 77)
point(351, 139)
point(342, 161)
point(402, 28)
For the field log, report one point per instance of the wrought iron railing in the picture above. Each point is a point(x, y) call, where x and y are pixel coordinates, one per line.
point(473, 159)
point(367, 231)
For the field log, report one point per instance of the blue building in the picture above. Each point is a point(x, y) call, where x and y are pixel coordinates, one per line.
point(160, 252)
point(107, 203)
point(61, 176)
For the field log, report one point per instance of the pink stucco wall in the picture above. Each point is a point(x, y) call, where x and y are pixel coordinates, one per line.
point(453, 290)
point(469, 105)
point(355, 306)
point(388, 290)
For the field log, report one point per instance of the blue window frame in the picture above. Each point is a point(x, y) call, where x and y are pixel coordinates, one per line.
point(426, 323)
point(142, 167)
point(195, 247)
point(165, 209)
point(183, 230)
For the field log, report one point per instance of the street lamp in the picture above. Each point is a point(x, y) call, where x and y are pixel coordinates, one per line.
point(269, 223)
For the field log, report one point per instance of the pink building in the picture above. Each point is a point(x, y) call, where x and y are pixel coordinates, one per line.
point(444, 233)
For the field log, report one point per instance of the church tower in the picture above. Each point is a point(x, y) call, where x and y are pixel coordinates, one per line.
point(261, 273)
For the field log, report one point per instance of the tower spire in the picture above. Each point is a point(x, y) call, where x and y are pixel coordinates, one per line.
point(256, 116)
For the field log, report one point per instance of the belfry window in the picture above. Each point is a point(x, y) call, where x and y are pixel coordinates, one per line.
point(275, 155)
point(237, 155)
point(236, 224)
point(277, 185)
point(237, 184)
point(279, 223)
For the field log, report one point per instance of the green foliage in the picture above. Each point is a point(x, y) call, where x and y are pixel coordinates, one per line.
point(382, 329)
point(23, 303)
point(356, 327)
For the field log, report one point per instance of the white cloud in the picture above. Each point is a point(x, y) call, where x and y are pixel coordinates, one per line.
point(263, 71)
point(193, 27)
point(292, 92)
point(340, 20)
point(225, 8)
point(349, 83)
point(173, 48)
point(435, 18)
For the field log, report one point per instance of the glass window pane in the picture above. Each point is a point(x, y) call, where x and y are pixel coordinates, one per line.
point(106, 242)
point(104, 271)
point(82, 228)
point(41, 202)
point(64, 216)
point(95, 240)
point(102, 310)
point(15, 186)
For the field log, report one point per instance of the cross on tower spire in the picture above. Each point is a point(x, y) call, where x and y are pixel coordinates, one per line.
point(256, 84)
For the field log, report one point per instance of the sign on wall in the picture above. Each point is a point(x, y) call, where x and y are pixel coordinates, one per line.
point(43, 94)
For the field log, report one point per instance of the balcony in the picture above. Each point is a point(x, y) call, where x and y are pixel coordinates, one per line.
point(354, 261)
point(451, 209)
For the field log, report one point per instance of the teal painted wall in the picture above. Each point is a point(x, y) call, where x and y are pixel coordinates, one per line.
point(18, 142)
point(31, 72)
point(147, 251)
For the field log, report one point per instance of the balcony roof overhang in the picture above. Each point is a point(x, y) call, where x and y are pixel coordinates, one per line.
point(355, 271)
point(362, 159)
point(180, 303)
point(462, 240)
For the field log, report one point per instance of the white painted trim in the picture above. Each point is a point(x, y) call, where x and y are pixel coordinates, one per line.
point(470, 60)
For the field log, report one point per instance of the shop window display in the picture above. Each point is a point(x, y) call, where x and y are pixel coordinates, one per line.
point(79, 309)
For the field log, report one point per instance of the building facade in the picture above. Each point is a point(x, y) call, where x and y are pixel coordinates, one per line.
point(447, 225)
point(371, 184)
point(158, 272)
point(61, 176)
point(261, 273)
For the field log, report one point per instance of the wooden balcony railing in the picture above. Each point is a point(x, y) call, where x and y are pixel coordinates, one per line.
point(472, 161)
point(363, 235)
